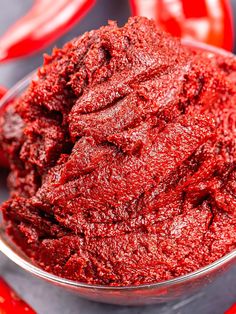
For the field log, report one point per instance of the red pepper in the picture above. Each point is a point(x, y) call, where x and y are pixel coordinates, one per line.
point(10, 302)
point(46, 21)
point(204, 20)
point(232, 310)
point(2, 91)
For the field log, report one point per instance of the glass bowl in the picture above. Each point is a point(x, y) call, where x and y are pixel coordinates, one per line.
point(132, 295)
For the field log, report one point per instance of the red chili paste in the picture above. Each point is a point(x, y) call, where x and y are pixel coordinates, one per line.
point(123, 158)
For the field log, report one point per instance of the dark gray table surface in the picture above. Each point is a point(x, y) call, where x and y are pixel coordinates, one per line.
point(45, 298)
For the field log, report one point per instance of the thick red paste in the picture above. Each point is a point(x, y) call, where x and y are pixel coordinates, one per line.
point(123, 158)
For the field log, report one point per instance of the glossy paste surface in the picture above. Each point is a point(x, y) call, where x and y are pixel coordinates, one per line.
point(123, 158)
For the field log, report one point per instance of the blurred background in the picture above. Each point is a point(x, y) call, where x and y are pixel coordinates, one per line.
point(47, 299)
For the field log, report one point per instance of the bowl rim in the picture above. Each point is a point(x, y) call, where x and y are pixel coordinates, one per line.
point(9, 252)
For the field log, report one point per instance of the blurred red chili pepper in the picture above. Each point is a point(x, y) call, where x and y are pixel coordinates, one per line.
point(46, 21)
point(232, 310)
point(204, 20)
point(2, 92)
point(10, 302)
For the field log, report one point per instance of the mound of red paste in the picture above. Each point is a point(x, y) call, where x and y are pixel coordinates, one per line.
point(123, 158)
